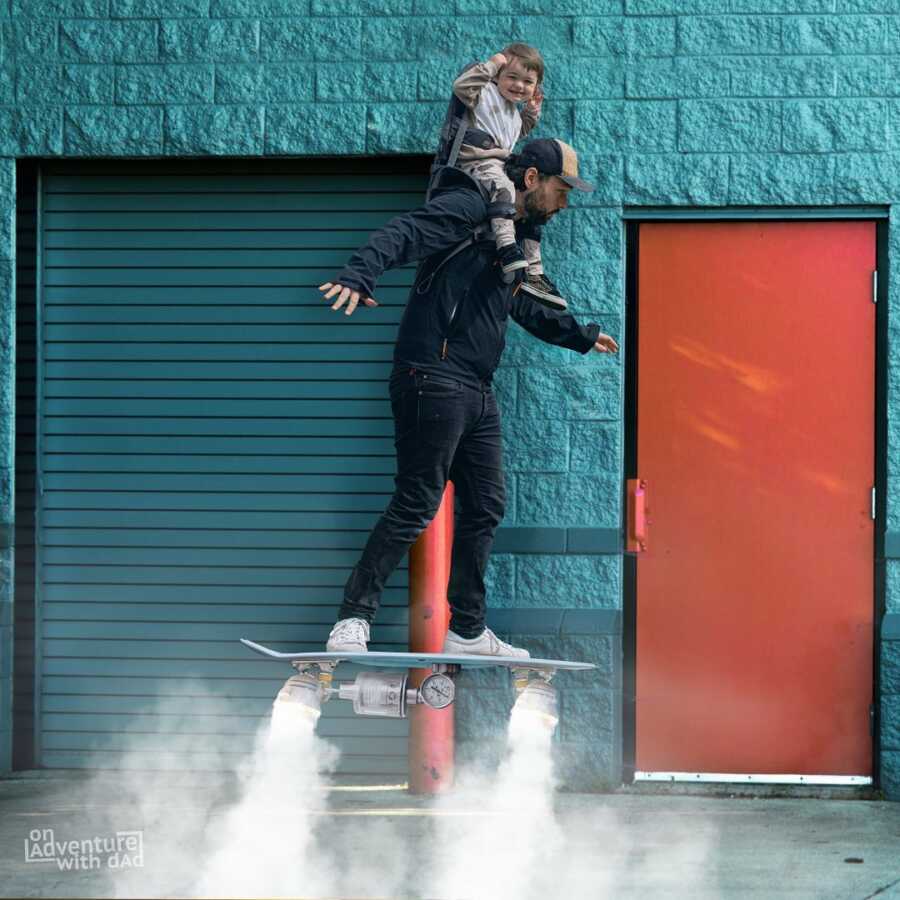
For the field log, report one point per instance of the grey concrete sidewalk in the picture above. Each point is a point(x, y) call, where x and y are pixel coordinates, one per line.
point(618, 845)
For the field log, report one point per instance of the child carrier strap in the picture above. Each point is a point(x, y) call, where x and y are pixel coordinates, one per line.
point(480, 233)
point(453, 135)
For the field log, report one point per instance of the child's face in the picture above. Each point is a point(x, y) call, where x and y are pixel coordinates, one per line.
point(516, 83)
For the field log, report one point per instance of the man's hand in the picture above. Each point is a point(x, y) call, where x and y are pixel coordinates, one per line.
point(499, 60)
point(605, 344)
point(346, 293)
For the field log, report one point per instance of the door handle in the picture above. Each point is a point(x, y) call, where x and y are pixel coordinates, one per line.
point(636, 541)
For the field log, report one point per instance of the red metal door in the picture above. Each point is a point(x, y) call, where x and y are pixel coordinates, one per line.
point(756, 385)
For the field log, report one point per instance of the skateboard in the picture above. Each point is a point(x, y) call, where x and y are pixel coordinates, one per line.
point(388, 693)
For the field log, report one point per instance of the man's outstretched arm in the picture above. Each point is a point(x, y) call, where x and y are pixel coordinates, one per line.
point(441, 223)
point(560, 329)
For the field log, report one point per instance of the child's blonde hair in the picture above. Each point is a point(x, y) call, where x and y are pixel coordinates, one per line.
point(530, 58)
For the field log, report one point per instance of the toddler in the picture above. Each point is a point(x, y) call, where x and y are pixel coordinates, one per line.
point(492, 92)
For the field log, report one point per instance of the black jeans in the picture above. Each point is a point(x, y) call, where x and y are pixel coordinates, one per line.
point(442, 429)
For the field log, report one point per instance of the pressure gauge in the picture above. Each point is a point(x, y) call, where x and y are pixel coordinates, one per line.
point(438, 690)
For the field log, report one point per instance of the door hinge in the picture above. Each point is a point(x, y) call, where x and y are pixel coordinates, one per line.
point(871, 720)
point(875, 286)
point(873, 504)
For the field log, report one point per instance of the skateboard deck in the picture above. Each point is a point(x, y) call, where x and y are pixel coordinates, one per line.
point(383, 660)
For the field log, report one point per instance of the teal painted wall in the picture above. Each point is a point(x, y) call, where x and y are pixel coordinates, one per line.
point(668, 101)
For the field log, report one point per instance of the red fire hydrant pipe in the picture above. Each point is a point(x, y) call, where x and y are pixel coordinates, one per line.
point(430, 730)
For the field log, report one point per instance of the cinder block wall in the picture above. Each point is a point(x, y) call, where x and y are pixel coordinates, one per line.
point(687, 102)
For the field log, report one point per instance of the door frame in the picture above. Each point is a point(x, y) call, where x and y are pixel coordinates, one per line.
point(633, 218)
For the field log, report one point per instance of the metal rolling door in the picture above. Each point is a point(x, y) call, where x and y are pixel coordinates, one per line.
point(215, 444)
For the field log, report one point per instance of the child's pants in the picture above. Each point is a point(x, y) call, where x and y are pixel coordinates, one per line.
point(491, 173)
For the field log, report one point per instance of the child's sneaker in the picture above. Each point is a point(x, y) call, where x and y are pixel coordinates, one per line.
point(511, 259)
point(348, 636)
point(543, 290)
point(486, 644)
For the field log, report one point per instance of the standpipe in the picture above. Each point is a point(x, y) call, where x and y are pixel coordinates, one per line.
point(430, 730)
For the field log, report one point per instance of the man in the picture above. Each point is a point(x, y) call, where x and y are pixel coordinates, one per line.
point(446, 420)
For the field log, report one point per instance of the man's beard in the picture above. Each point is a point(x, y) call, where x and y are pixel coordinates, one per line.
point(534, 213)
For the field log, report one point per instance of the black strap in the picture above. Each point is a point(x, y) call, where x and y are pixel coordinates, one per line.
point(501, 210)
point(458, 139)
point(425, 284)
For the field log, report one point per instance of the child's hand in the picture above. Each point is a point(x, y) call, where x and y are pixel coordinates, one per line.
point(536, 102)
point(499, 60)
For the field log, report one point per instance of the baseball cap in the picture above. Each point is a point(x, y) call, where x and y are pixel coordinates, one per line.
point(551, 156)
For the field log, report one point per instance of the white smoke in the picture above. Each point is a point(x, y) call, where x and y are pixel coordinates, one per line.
point(265, 845)
point(511, 839)
point(269, 828)
point(510, 849)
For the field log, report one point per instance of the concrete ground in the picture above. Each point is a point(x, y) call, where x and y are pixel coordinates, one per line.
point(623, 844)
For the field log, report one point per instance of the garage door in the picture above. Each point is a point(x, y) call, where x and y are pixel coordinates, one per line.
point(214, 446)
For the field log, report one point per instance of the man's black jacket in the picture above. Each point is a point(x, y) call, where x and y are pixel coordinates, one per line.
point(455, 320)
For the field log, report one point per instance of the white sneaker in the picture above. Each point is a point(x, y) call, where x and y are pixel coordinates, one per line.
point(348, 636)
point(486, 644)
